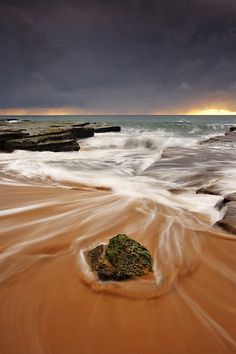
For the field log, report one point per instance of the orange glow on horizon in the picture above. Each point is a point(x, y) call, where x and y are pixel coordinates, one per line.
point(212, 111)
point(61, 111)
point(44, 111)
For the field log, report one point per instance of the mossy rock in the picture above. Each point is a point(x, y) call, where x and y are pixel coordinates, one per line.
point(123, 258)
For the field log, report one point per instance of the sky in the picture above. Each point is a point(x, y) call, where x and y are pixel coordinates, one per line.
point(117, 56)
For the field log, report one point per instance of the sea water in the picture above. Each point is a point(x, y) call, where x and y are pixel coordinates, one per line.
point(151, 156)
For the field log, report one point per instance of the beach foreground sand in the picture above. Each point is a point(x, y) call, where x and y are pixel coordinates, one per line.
point(51, 303)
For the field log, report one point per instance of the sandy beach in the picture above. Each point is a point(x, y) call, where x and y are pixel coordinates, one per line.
point(51, 303)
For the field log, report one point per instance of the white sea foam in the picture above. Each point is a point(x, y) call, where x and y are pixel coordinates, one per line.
point(132, 163)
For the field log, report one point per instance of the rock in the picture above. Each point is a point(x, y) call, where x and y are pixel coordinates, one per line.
point(82, 132)
point(229, 138)
point(112, 128)
point(12, 119)
point(74, 132)
point(95, 255)
point(104, 128)
point(59, 139)
point(232, 129)
point(9, 135)
point(231, 133)
point(213, 190)
point(229, 220)
point(208, 190)
point(123, 258)
point(63, 135)
point(44, 136)
point(231, 197)
point(55, 132)
point(82, 124)
point(43, 143)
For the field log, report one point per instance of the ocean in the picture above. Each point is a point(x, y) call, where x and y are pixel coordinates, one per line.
point(131, 161)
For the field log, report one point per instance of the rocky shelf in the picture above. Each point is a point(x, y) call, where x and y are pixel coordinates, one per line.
point(44, 136)
point(228, 222)
point(228, 137)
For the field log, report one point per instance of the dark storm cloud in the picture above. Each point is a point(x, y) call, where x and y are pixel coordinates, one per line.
point(119, 55)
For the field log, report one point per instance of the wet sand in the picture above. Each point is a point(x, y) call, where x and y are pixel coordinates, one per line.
point(51, 303)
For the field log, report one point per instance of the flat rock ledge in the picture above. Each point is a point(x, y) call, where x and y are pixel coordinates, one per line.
point(40, 136)
point(228, 137)
point(228, 222)
point(42, 144)
point(123, 258)
point(6, 135)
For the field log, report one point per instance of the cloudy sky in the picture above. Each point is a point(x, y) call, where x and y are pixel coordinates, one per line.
point(117, 56)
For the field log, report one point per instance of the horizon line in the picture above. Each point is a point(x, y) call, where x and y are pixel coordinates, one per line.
point(115, 115)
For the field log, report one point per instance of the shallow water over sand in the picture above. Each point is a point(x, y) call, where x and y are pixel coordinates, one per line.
point(56, 206)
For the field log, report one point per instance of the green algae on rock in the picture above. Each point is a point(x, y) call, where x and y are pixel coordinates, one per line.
point(123, 258)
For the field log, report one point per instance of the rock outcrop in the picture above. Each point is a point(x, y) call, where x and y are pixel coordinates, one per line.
point(228, 137)
point(104, 127)
point(82, 132)
point(123, 258)
point(212, 190)
point(231, 197)
point(53, 143)
point(46, 136)
point(229, 220)
point(6, 135)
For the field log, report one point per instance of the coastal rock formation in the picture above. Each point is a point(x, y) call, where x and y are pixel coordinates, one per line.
point(212, 190)
point(43, 143)
point(228, 137)
point(231, 197)
point(104, 127)
point(41, 136)
point(81, 124)
point(72, 132)
point(82, 132)
point(6, 135)
point(229, 220)
point(232, 129)
point(123, 258)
